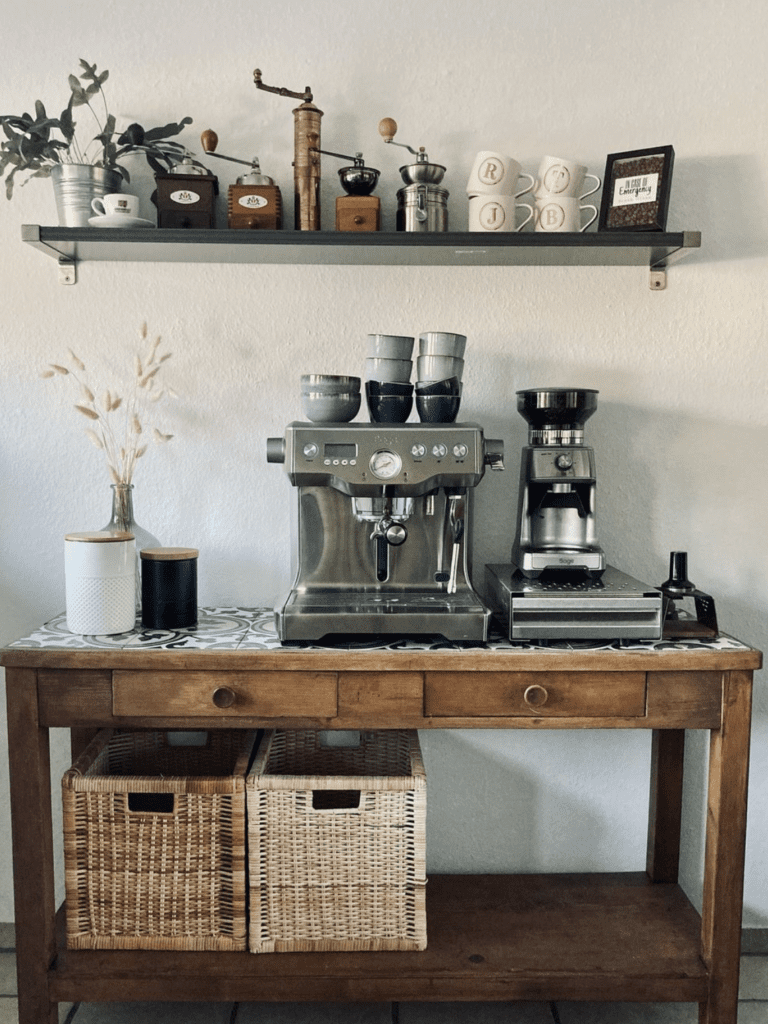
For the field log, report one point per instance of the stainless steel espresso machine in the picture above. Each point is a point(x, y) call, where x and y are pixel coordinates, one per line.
point(559, 585)
point(382, 528)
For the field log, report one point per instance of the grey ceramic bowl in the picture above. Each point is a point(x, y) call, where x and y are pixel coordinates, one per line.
point(320, 408)
point(388, 387)
point(437, 408)
point(433, 368)
point(449, 386)
point(440, 343)
point(329, 384)
point(389, 408)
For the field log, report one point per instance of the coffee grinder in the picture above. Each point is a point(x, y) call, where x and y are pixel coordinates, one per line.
point(382, 528)
point(421, 204)
point(358, 210)
point(254, 201)
point(559, 586)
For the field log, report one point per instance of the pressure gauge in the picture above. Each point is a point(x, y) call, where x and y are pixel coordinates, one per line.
point(385, 465)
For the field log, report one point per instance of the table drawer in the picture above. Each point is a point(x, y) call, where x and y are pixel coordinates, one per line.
point(535, 694)
point(225, 694)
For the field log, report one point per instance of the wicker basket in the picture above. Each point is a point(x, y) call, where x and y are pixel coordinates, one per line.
point(336, 839)
point(154, 841)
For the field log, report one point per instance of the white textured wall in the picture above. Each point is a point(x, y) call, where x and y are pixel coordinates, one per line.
point(680, 433)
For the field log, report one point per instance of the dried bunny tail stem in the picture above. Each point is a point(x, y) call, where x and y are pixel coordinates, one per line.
point(90, 413)
point(94, 438)
point(143, 330)
point(47, 373)
point(116, 403)
point(161, 438)
point(88, 395)
point(59, 369)
point(78, 362)
point(148, 377)
point(136, 424)
point(137, 366)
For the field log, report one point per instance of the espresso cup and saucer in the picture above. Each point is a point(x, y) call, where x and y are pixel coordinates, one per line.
point(117, 210)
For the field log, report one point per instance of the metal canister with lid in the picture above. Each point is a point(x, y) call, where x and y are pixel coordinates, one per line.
point(169, 588)
point(100, 570)
point(421, 205)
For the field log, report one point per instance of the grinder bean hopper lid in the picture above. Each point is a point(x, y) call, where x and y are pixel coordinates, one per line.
point(422, 172)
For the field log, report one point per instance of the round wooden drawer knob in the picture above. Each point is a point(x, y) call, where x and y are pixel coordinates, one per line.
point(223, 697)
point(535, 696)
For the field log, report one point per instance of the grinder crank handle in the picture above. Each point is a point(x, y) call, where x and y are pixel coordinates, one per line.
point(387, 129)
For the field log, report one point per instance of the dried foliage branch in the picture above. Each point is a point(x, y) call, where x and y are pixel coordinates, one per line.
point(119, 437)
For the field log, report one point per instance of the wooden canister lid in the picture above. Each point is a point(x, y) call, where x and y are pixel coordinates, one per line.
point(100, 536)
point(168, 554)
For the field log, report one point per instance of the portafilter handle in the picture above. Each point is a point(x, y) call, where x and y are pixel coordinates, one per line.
point(494, 454)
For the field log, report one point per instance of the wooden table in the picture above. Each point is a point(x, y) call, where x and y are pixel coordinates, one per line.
point(612, 937)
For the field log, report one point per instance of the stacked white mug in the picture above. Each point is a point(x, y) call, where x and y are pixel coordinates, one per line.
point(493, 195)
point(558, 194)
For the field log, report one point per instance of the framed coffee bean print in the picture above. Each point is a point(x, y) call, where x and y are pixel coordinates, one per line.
point(636, 190)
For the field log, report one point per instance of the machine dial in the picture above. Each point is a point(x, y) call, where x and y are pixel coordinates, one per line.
point(439, 451)
point(460, 451)
point(310, 450)
point(564, 461)
point(385, 465)
point(419, 450)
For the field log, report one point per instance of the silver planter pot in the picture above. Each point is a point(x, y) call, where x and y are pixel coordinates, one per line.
point(75, 185)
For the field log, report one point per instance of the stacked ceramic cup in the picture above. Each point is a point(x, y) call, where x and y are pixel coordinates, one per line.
point(493, 192)
point(439, 369)
point(559, 191)
point(388, 386)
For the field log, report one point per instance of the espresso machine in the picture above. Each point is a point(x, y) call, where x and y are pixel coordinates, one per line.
point(558, 585)
point(382, 528)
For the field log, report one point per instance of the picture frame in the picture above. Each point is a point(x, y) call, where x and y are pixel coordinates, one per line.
point(636, 189)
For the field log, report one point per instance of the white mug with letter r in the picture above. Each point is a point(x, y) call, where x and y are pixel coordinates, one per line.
point(116, 204)
point(562, 213)
point(494, 174)
point(496, 213)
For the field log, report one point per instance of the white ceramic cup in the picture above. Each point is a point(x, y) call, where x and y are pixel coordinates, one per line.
point(390, 346)
point(438, 367)
point(496, 213)
point(441, 343)
point(396, 371)
point(562, 213)
point(494, 174)
point(116, 203)
point(560, 177)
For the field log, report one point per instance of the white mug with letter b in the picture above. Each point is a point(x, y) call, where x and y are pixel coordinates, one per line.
point(494, 174)
point(562, 213)
point(116, 204)
point(561, 177)
point(496, 213)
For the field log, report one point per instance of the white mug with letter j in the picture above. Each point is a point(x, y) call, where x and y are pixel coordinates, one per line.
point(496, 213)
point(562, 213)
point(116, 204)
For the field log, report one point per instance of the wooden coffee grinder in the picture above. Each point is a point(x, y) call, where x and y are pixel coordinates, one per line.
point(254, 201)
point(358, 210)
point(306, 160)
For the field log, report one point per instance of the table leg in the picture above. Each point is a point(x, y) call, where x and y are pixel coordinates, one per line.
point(724, 856)
point(29, 762)
point(665, 811)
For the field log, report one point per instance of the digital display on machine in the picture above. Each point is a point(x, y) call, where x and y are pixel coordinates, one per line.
point(340, 451)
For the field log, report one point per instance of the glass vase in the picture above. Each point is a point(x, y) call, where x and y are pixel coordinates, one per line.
point(122, 519)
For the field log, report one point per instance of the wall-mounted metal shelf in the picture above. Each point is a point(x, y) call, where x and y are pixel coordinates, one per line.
point(653, 250)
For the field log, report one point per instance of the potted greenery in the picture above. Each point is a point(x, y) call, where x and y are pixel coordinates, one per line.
point(44, 146)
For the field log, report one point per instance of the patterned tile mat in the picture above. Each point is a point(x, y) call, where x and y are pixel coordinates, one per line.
point(228, 629)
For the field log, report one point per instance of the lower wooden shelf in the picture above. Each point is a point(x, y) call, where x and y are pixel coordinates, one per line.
point(610, 937)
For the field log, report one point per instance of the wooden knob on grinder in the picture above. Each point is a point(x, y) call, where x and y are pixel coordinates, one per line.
point(387, 128)
point(210, 140)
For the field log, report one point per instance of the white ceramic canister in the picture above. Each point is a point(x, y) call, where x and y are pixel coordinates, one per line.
point(100, 570)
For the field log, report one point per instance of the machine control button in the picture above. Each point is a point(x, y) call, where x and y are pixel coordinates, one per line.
point(419, 451)
point(310, 450)
point(385, 464)
point(564, 461)
point(439, 451)
point(460, 451)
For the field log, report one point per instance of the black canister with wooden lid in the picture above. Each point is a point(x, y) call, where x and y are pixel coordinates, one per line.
point(169, 588)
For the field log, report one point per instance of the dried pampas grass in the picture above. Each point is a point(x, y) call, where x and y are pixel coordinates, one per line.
point(118, 437)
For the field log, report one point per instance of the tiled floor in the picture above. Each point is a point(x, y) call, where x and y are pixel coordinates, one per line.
point(753, 1008)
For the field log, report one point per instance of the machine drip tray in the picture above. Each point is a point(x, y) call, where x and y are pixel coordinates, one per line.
point(571, 606)
point(309, 615)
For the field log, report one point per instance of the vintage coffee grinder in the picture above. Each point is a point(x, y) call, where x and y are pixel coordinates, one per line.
point(421, 204)
point(358, 210)
point(254, 201)
point(306, 155)
point(185, 197)
point(558, 585)
point(382, 528)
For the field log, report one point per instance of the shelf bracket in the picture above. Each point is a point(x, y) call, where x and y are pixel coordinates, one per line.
point(657, 281)
point(67, 271)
